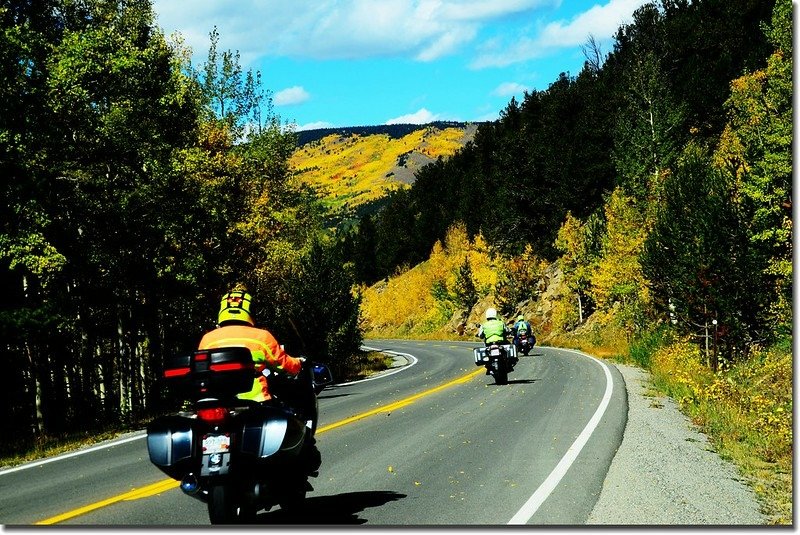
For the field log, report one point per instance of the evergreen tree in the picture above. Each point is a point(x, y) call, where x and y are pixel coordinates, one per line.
point(698, 257)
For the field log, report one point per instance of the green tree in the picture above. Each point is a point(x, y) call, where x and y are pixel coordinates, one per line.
point(647, 131)
point(699, 258)
point(464, 289)
point(756, 150)
point(321, 310)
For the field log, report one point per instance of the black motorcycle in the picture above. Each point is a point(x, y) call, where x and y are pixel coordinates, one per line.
point(239, 456)
point(524, 343)
point(498, 359)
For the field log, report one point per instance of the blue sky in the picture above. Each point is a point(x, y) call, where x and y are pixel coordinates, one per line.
point(334, 63)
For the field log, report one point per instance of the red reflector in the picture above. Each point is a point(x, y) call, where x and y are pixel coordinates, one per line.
point(176, 372)
point(229, 366)
point(214, 415)
point(201, 356)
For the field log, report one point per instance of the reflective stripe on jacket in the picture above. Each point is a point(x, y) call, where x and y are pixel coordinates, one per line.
point(264, 348)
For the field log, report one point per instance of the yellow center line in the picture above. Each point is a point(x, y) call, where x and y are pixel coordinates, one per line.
point(398, 404)
point(169, 484)
point(134, 494)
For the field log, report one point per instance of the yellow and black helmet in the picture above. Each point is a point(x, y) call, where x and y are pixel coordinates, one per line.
point(235, 306)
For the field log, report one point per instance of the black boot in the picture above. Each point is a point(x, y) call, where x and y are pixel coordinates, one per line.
point(312, 458)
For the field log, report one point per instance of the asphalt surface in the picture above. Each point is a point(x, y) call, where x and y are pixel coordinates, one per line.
point(431, 443)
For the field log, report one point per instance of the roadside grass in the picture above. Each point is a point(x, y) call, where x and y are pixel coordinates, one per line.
point(49, 446)
point(360, 366)
point(745, 410)
point(16, 452)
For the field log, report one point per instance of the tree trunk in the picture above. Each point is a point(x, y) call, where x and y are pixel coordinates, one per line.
point(37, 391)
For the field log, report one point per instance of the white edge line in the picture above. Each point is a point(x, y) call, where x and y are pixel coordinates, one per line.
point(549, 484)
point(409, 356)
point(71, 454)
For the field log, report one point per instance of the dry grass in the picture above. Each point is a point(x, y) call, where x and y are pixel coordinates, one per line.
point(360, 366)
point(49, 446)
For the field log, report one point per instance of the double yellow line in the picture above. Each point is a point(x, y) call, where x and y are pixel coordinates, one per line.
point(169, 484)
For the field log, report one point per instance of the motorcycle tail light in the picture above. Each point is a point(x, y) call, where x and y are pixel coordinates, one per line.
point(214, 415)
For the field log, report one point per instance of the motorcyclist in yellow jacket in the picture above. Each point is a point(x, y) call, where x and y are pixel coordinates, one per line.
point(237, 328)
point(493, 330)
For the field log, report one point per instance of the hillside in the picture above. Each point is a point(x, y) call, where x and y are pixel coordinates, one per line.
point(352, 167)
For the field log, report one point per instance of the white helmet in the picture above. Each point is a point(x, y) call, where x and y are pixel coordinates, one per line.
point(491, 313)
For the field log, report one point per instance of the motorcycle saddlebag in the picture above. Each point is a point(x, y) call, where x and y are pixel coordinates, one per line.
point(511, 350)
point(269, 430)
point(479, 353)
point(170, 443)
point(221, 372)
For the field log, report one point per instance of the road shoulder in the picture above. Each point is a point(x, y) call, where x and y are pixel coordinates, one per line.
point(666, 472)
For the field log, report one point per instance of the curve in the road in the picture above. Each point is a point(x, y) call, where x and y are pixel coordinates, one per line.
point(548, 485)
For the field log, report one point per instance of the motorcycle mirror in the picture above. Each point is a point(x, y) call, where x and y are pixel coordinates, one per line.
point(322, 376)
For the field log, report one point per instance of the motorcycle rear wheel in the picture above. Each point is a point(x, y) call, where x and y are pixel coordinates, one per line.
point(222, 506)
point(293, 500)
point(501, 375)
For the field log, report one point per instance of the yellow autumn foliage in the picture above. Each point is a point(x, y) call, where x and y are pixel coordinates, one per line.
point(618, 276)
point(356, 169)
point(405, 304)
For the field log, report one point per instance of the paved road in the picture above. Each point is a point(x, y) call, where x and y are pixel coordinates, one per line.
point(433, 443)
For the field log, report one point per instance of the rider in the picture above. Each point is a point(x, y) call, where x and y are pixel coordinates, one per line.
point(492, 330)
point(236, 327)
point(521, 326)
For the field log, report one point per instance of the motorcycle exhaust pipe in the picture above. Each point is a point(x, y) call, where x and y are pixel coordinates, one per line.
point(190, 485)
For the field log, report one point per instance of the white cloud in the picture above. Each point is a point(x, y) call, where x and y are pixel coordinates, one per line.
point(508, 89)
point(291, 96)
point(314, 126)
point(600, 21)
point(336, 29)
point(422, 116)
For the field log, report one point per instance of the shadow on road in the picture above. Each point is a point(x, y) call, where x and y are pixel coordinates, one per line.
point(521, 381)
point(517, 382)
point(332, 510)
point(342, 395)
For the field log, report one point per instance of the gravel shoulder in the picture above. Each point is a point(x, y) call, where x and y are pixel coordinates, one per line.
point(666, 472)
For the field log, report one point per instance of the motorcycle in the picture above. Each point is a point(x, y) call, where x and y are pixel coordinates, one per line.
point(239, 456)
point(498, 359)
point(524, 343)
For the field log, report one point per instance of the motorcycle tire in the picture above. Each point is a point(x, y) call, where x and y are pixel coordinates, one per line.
point(294, 499)
point(501, 376)
point(222, 506)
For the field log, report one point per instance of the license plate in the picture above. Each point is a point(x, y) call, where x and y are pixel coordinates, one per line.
point(216, 444)
point(494, 352)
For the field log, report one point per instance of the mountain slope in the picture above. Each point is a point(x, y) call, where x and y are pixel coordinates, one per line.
point(351, 169)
